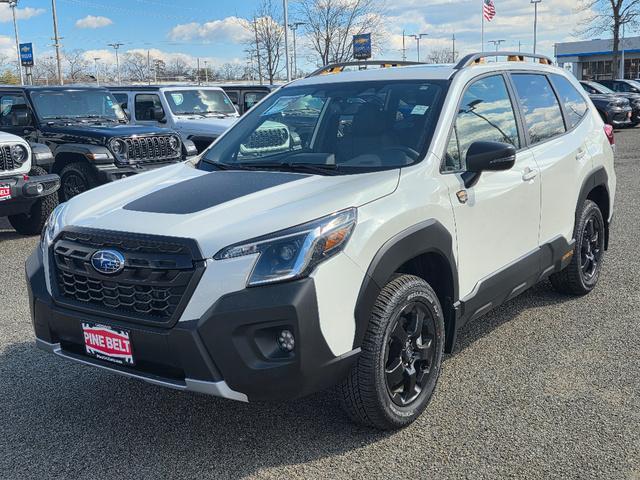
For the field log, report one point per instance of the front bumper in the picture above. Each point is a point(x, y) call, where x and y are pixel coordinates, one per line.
point(230, 352)
point(620, 117)
point(110, 172)
point(25, 191)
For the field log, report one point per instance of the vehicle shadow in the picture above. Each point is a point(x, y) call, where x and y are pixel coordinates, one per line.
point(85, 422)
point(7, 232)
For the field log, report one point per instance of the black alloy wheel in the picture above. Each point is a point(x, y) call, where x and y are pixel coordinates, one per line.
point(410, 353)
point(76, 178)
point(592, 247)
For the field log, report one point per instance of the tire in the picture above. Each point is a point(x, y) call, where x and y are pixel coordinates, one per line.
point(581, 275)
point(377, 392)
point(76, 178)
point(33, 222)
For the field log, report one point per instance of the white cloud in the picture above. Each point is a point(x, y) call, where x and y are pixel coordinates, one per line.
point(21, 13)
point(230, 29)
point(108, 57)
point(91, 21)
point(7, 47)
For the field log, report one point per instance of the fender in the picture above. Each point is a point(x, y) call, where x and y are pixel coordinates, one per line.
point(426, 237)
point(41, 156)
point(597, 178)
point(96, 154)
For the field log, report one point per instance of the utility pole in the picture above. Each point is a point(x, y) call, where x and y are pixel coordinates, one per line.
point(285, 5)
point(206, 72)
point(453, 51)
point(418, 37)
point(116, 46)
point(294, 27)
point(497, 43)
point(535, 23)
point(95, 59)
point(56, 39)
point(622, 57)
point(148, 67)
point(404, 48)
point(198, 71)
point(13, 4)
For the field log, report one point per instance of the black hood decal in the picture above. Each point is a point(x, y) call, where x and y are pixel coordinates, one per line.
point(209, 190)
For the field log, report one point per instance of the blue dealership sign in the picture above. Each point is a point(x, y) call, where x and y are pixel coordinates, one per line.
point(362, 46)
point(26, 54)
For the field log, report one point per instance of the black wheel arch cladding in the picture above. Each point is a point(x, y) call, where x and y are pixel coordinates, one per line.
point(428, 237)
point(595, 183)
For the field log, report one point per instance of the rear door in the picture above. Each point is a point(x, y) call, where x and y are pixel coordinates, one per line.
point(553, 111)
point(497, 220)
point(145, 105)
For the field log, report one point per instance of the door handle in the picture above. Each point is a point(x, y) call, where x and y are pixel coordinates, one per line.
point(529, 174)
point(581, 154)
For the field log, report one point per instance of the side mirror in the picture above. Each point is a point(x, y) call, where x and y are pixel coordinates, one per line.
point(487, 157)
point(158, 115)
point(22, 118)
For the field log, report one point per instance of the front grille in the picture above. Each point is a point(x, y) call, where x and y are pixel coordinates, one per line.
point(267, 138)
point(6, 160)
point(153, 288)
point(151, 149)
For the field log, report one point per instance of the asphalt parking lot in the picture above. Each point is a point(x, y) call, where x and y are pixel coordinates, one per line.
point(546, 386)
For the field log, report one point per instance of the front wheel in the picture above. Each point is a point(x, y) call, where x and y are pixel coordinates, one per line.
point(397, 370)
point(76, 178)
point(32, 222)
point(581, 275)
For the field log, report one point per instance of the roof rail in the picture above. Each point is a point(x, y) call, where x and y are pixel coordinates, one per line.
point(479, 57)
point(339, 67)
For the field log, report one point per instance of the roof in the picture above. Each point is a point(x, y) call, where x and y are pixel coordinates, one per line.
point(156, 88)
point(248, 86)
point(52, 87)
point(597, 46)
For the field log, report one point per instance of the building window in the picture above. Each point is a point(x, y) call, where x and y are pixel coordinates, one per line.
point(596, 70)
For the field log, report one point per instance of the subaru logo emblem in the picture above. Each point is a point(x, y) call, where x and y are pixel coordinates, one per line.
point(107, 262)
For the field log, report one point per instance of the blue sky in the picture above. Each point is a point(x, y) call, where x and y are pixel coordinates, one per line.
point(209, 28)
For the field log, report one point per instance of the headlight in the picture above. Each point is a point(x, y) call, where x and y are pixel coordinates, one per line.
point(295, 252)
point(19, 154)
point(119, 148)
point(174, 143)
point(52, 227)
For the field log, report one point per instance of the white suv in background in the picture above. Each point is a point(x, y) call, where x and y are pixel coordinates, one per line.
point(341, 233)
point(199, 114)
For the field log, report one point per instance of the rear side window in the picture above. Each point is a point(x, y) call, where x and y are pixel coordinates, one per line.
point(540, 106)
point(574, 105)
point(485, 114)
point(145, 105)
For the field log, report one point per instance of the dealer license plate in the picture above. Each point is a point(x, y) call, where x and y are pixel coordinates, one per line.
point(107, 343)
point(5, 192)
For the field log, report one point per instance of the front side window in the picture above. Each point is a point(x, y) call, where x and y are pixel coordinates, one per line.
point(122, 99)
point(540, 106)
point(76, 104)
point(146, 105)
point(347, 127)
point(199, 102)
point(575, 106)
point(485, 114)
point(10, 107)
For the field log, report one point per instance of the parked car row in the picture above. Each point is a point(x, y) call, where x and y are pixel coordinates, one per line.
point(619, 106)
point(67, 140)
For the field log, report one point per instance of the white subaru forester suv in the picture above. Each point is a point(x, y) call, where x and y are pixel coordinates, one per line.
point(339, 234)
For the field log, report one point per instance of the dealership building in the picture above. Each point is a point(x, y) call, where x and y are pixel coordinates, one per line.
point(592, 59)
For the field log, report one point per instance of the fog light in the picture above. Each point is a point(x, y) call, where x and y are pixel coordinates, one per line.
point(40, 188)
point(286, 341)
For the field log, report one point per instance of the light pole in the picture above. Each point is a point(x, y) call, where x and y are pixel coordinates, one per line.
point(56, 39)
point(13, 4)
point(206, 72)
point(535, 23)
point(622, 44)
point(418, 37)
point(294, 27)
point(497, 43)
point(116, 46)
point(285, 6)
point(95, 59)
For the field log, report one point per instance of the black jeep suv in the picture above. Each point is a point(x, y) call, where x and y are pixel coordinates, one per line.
point(88, 133)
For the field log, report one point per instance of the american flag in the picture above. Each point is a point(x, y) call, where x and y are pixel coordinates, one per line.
point(488, 10)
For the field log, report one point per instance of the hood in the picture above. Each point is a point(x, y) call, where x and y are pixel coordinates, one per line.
point(204, 126)
point(632, 97)
point(101, 132)
point(608, 98)
point(220, 208)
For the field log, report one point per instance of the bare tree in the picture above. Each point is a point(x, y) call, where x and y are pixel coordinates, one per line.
point(604, 16)
point(44, 70)
point(230, 71)
point(441, 55)
point(134, 66)
point(177, 68)
point(77, 65)
point(267, 38)
point(331, 24)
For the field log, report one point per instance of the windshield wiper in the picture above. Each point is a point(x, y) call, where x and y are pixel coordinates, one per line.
point(315, 168)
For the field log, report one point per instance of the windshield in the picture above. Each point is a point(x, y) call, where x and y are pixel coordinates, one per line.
point(202, 101)
point(348, 127)
point(65, 104)
point(634, 84)
point(598, 87)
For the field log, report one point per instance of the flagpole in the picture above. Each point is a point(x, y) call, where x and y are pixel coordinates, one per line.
point(482, 15)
